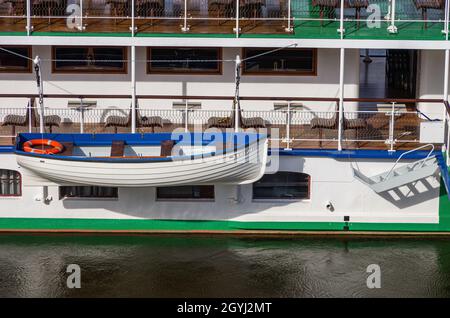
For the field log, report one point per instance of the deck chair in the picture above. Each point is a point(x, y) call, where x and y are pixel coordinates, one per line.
point(252, 9)
point(141, 121)
point(15, 120)
point(323, 5)
point(228, 122)
point(330, 5)
point(424, 5)
point(222, 9)
point(333, 123)
point(150, 8)
point(50, 121)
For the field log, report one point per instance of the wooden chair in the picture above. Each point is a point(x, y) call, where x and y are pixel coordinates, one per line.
point(141, 121)
point(424, 5)
point(228, 122)
point(222, 9)
point(333, 123)
point(14, 120)
point(252, 9)
point(333, 4)
point(149, 8)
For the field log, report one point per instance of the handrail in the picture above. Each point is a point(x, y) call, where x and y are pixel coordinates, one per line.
point(426, 117)
point(280, 98)
point(396, 100)
point(410, 151)
point(447, 106)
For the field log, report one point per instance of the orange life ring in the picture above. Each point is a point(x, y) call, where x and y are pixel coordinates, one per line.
point(56, 146)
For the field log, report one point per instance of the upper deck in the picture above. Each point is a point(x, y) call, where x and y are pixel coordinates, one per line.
point(263, 19)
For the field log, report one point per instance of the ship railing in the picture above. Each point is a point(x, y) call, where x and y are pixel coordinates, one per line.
point(332, 18)
point(290, 124)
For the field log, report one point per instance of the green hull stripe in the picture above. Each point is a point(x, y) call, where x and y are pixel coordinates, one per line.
point(156, 225)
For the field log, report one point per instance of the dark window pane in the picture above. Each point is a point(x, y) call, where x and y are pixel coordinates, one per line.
point(184, 60)
point(89, 59)
point(10, 183)
point(87, 192)
point(287, 61)
point(185, 192)
point(10, 62)
point(282, 185)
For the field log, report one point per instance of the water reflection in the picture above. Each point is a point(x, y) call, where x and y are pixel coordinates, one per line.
point(162, 266)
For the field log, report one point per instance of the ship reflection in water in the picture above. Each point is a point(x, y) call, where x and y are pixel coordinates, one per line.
point(162, 266)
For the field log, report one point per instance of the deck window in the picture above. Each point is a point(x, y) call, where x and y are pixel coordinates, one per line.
point(281, 62)
point(10, 183)
point(204, 192)
point(87, 192)
point(12, 62)
point(184, 60)
point(89, 59)
point(282, 185)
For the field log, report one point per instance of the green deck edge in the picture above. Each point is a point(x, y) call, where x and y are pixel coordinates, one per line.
point(302, 30)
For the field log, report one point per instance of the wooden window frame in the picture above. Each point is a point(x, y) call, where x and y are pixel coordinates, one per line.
point(308, 197)
point(187, 199)
point(281, 73)
point(29, 66)
point(61, 197)
point(124, 70)
point(20, 187)
point(159, 72)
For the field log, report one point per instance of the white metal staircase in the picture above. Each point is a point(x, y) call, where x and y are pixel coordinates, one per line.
point(400, 176)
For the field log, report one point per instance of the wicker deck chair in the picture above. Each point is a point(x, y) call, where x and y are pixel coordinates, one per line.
point(228, 122)
point(14, 120)
point(332, 4)
point(333, 123)
point(50, 121)
point(424, 5)
point(141, 121)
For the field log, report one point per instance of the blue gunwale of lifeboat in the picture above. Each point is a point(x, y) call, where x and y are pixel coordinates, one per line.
point(242, 140)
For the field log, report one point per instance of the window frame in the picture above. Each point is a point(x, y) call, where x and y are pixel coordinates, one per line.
point(29, 68)
point(20, 186)
point(213, 199)
point(281, 73)
point(62, 198)
point(218, 71)
point(307, 198)
point(124, 69)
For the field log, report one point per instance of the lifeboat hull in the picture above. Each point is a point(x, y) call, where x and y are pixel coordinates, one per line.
point(245, 165)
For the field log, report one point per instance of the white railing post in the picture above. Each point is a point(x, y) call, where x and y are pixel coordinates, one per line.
point(30, 117)
point(289, 26)
point(392, 28)
point(237, 29)
point(133, 26)
point(133, 89)
point(186, 116)
point(446, 16)
point(29, 27)
point(39, 83)
point(185, 27)
point(391, 140)
point(81, 26)
point(341, 97)
point(446, 116)
point(81, 116)
point(341, 29)
point(288, 127)
point(237, 108)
